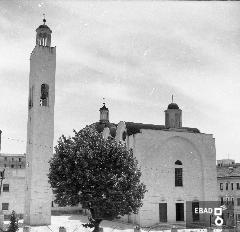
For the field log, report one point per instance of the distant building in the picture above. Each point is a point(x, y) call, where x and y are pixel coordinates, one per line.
point(225, 162)
point(13, 161)
point(228, 179)
point(12, 191)
point(178, 165)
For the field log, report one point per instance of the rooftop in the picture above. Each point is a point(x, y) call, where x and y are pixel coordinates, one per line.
point(228, 171)
point(173, 106)
point(100, 127)
point(103, 107)
point(12, 155)
point(134, 128)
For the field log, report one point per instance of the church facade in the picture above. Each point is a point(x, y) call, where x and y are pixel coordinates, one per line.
point(178, 164)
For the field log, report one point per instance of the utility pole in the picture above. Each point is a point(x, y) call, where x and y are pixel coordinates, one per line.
point(1, 214)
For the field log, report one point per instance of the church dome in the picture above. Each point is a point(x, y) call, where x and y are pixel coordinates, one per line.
point(43, 26)
point(173, 106)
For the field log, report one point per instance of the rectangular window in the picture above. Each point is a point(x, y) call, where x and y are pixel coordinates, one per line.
point(5, 187)
point(5, 158)
point(238, 201)
point(232, 186)
point(238, 186)
point(178, 177)
point(226, 186)
point(12, 166)
point(5, 206)
point(44, 95)
point(19, 159)
point(221, 200)
point(30, 98)
point(221, 186)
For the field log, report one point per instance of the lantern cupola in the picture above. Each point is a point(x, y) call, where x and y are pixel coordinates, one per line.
point(43, 36)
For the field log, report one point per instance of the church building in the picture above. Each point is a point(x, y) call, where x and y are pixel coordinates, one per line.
point(178, 164)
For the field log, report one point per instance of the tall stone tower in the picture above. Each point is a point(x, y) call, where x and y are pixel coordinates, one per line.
point(40, 129)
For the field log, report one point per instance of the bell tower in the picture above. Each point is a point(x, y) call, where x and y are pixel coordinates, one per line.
point(104, 114)
point(173, 116)
point(40, 129)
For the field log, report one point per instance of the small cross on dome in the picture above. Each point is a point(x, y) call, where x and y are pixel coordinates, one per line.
point(44, 20)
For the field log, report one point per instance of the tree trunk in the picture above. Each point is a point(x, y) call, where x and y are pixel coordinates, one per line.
point(95, 220)
point(96, 225)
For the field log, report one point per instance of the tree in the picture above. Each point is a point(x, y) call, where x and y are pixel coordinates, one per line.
point(13, 226)
point(102, 175)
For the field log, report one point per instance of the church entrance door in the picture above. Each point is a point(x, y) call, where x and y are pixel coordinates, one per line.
point(163, 212)
point(179, 211)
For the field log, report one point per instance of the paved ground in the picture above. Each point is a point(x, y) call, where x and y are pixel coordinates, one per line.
point(73, 223)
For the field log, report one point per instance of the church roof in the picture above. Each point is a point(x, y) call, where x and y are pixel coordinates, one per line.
point(103, 107)
point(134, 128)
point(228, 171)
point(44, 26)
point(100, 127)
point(173, 106)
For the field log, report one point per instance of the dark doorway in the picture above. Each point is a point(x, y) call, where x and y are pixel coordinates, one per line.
point(179, 211)
point(195, 214)
point(163, 212)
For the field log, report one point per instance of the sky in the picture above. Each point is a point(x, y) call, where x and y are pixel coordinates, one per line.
point(135, 54)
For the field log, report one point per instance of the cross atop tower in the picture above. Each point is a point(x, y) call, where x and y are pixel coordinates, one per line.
point(44, 20)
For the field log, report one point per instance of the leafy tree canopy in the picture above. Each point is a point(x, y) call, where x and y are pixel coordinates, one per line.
point(102, 175)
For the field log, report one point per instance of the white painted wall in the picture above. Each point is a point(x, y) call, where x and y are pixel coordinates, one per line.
point(156, 152)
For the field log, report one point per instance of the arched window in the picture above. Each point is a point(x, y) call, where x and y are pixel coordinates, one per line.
point(44, 95)
point(178, 174)
point(124, 136)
